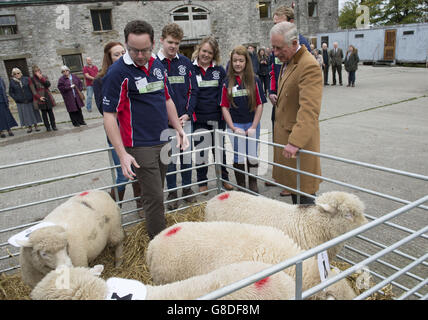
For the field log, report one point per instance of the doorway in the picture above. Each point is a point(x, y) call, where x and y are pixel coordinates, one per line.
point(16, 63)
point(389, 47)
point(187, 50)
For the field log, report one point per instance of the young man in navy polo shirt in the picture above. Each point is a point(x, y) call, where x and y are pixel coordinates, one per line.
point(183, 92)
point(137, 107)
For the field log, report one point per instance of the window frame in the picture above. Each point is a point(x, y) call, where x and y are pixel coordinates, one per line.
point(97, 12)
point(13, 27)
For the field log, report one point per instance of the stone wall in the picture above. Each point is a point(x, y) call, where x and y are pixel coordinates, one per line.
point(233, 22)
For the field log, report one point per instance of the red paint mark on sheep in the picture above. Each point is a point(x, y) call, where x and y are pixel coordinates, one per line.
point(84, 193)
point(261, 283)
point(172, 231)
point(223, 196)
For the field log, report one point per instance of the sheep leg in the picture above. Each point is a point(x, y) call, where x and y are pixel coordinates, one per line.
point(118, 255)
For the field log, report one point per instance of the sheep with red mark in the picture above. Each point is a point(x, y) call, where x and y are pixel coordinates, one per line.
point(333, 214)
point(79, 230)
point(196, 248)
point(79, 283)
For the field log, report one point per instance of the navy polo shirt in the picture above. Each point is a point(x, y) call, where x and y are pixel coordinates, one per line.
point(209, 83)
point(182, 80)
point(240, 112)
point(138, 95)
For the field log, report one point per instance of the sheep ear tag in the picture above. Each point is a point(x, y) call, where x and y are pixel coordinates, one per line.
point(21, 239)
point(125, 289)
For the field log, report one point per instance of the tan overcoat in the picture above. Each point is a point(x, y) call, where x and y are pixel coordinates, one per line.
point(296, 119)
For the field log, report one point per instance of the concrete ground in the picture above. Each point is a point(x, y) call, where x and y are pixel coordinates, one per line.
point(382, 121)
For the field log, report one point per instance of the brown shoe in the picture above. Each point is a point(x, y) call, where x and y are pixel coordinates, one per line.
point(285, 193)
point(203, 188)
point(187, 192)
point(227, 186)
point(269, 184)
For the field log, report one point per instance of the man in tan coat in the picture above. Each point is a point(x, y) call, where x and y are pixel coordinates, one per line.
point(298, 106)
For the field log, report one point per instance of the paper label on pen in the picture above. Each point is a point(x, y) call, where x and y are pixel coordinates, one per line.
point(323, 265)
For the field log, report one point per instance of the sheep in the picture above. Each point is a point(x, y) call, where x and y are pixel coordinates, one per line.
point(193, 248)
point(82, 227)
point(333, 214)
point(80, 283)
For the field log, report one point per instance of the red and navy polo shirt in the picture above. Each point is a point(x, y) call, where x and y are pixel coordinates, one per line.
point(240, 113)
point(138, 95)
point(209, 83)
point(182, 80)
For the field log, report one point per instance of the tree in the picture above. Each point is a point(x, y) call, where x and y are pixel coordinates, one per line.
point(348, 15)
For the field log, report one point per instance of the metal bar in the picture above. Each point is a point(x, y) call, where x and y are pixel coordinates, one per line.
point(298, 176)
point(413, 290)
point(389, 279)
point(299, 280)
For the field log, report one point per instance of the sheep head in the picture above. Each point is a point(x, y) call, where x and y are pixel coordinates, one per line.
point(343, 205)
point(71, 283)
point(48, 247)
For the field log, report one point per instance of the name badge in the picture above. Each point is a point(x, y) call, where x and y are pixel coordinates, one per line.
point(23, 235)
point(198, 79)
point(125, 289)
point(141, 84)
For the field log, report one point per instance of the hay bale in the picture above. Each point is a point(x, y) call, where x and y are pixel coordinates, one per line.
point(134, 266)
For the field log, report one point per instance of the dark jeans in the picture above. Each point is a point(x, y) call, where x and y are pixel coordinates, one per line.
point(337, 69)
point(202, 156)
point(325, 69)
point(45, 114)
point(303, 199)
point(265, 82)
point(351, 77)
point(151, 176)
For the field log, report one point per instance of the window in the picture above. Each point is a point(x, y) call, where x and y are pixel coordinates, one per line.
point(193, 20)
point(8, 25)
point(73, 61)
point(264, 9)
point(313, 8)
point(408, 32)
point(101, 19)
point(359, 35)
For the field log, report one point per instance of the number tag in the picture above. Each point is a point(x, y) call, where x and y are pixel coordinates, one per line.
point(125, 289)
point(323, 265)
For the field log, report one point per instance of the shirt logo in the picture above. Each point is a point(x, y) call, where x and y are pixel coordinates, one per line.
point(158, 73)
point(216, 75)
point(182, 70)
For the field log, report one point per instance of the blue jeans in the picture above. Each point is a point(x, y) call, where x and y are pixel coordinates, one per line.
point(243, 145)
point(89, 94)
point(120, 178)
point(185, 162)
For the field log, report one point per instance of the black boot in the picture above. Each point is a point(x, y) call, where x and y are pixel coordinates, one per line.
point(239, 176)
point(252, 181)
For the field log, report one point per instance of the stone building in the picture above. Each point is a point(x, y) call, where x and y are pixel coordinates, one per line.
point(52, 33)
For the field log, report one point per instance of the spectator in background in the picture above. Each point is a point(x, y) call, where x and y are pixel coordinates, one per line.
point(42, 97)
point(351, 64)
point(112, 52)
point(336, 59)
point(318, 57)
point(326, 62)
point(69, 85)
point(264, 66)
point(184, 94)
point(19, 90)
point(254, 60)
point(7, 121)
point(209, 76)
point(90, 71)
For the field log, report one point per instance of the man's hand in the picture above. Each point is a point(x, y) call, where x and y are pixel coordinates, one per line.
point(126, 160)
point(182, 141)
point(290, 151)
point(273, 98)
point(183, 119)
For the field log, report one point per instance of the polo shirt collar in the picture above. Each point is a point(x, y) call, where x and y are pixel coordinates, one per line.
point(128, 60)
point(161, 56)
point(196, 63)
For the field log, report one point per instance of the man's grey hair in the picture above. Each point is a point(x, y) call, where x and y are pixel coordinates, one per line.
point(288, 30)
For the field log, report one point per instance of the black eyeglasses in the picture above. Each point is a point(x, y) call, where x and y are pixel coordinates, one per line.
point(137, 51)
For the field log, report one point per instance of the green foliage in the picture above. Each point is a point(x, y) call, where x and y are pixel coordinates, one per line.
point(385, 12)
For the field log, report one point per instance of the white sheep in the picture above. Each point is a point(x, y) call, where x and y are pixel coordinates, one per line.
point(80, 229)
point(193, 248)
point(80, 283)
point(333, 214)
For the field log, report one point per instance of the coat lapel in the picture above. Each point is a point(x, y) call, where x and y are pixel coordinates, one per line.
point(290, 68)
